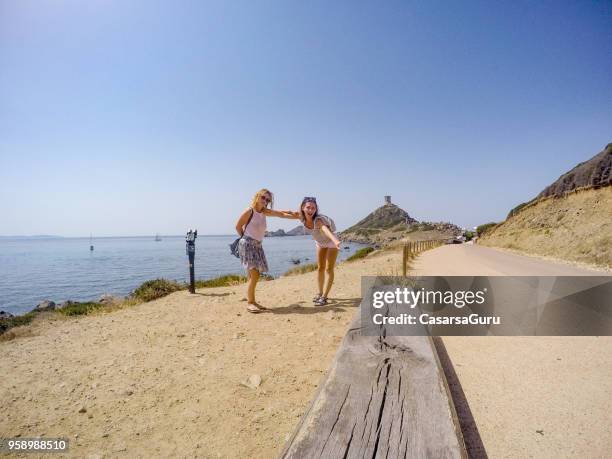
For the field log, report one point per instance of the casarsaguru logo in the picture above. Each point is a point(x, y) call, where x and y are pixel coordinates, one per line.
point(426, 319)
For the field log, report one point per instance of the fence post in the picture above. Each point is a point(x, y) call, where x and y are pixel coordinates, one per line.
point(404, 260)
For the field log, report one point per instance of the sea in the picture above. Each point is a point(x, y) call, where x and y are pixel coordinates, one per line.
point(59, 269)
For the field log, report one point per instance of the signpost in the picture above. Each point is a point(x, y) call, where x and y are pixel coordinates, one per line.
point(190, 242)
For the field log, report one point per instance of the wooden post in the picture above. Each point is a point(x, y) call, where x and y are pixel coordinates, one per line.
point(404, 260)
point(384, 396)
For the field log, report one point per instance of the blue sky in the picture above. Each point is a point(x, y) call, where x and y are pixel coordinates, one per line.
point(143, 117)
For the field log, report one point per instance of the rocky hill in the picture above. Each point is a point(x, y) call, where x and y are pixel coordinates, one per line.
point(391, 223)
point(384, 217)
point(594, 173)
point(569, 219)
point(299, 230)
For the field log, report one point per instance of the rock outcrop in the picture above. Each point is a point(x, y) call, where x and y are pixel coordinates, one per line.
point(594, 173)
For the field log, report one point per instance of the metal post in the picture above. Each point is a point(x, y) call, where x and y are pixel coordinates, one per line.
point(190, 243)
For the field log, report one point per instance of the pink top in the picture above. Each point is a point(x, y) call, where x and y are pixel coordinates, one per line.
point(256, 228)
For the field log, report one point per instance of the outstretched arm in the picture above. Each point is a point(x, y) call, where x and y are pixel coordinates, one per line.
point(331, 235)
point(281, 213)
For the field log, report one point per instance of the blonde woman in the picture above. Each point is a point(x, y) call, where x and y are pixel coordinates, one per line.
point(251, 227)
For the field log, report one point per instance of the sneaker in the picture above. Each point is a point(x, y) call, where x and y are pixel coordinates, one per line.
point(322, 301)
point(317, 297)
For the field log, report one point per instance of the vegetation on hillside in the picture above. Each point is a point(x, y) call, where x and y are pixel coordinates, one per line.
point(361, 253)
point(574, 228)
point(482, 229)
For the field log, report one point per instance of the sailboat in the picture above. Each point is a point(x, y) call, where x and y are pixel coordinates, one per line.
point(157, 238)
point(91, 247)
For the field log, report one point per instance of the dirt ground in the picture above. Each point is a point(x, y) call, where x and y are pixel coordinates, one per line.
point(164, 379)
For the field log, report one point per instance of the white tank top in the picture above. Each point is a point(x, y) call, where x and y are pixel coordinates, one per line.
point(256, 228)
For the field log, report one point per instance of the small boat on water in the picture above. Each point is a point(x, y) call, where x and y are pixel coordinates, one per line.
point(91, 247)
point(157, 238)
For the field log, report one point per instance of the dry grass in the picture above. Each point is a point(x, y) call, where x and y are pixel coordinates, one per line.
point(575, 228)
point(301, 269)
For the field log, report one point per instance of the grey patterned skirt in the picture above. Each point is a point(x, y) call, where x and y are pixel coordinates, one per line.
point(252, 255)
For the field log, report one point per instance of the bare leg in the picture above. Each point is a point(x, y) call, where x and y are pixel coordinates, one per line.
point(321, 264)
point(332, 254)
point(252, 283)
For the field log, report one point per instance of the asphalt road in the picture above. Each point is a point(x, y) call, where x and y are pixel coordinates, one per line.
point(475, 260)
point(526, 396)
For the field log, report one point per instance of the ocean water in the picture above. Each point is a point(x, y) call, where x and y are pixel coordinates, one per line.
point(60, 269)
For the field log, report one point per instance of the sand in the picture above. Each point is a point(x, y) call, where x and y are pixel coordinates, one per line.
point(163, 379)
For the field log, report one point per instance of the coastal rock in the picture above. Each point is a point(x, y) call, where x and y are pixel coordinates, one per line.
point(299, 230)
point(46, 305)
point(107, 298)
point(277, 233)
point(64, 304)
point(5, 315)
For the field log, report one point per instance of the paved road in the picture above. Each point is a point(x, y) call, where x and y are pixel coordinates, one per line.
point(475, 260)
point(529, 396)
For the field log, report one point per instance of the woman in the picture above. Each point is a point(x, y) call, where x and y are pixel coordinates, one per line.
point(322, 229)
point(251, 227)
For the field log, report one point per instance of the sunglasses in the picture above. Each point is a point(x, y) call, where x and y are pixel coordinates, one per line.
point(265, 198)
point(309, 199)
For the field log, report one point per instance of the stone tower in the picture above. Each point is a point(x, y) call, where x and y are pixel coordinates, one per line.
point(387, 200)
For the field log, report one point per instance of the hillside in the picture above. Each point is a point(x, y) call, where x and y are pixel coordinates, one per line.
point(390, 223)
point(569, 219)
point(596, 172)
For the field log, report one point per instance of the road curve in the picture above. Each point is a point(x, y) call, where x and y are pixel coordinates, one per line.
point(529, 396)
point(476, 260)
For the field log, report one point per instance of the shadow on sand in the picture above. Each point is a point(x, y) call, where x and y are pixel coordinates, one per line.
point(334, 304)
point(211, 294)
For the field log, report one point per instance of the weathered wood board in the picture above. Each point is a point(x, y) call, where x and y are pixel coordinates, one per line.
point(384, 397)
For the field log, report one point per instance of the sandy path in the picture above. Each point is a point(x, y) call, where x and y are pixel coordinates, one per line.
point(162, 379)
point(517, 386)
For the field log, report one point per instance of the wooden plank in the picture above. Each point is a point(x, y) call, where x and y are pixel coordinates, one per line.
point(384, 396)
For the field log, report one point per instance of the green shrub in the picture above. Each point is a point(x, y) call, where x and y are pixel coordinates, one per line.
point(10, 322)
point(361, 253)
point(78, 309)
point(469, 235)
point(301, 269)
point(221, 281)
point(157, 288)
point(227, 280)
point(480, 230)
